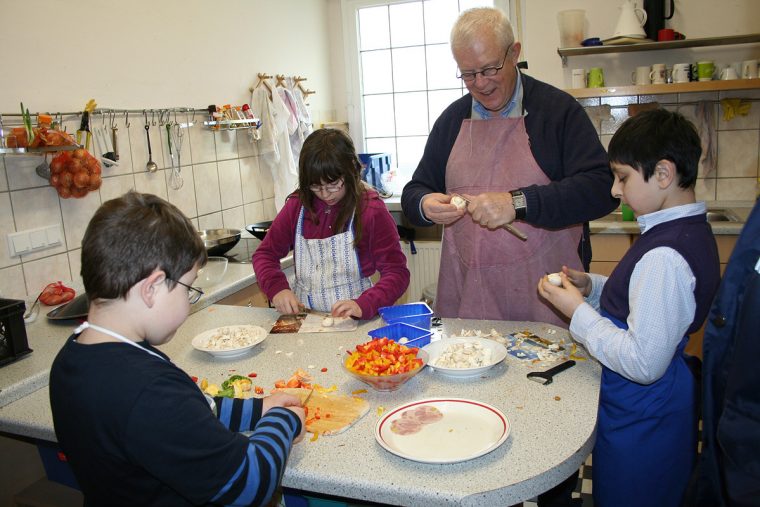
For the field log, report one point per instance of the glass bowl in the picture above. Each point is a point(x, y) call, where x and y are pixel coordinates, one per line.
point(212, 273)
point(388, 382)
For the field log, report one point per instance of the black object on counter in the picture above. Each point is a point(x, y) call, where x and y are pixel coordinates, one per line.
point(259, 230)
point(77, 308)
point(13, 342)
point(547, 377)
point(219, 241)
point(656, 17)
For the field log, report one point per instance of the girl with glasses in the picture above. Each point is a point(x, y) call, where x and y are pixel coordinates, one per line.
point(341, 234)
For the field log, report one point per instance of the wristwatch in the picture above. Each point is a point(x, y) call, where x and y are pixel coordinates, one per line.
point(520, 204)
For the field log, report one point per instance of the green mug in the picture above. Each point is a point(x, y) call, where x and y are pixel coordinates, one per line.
point(595, 77)
point(705, 70)
point(627, 213)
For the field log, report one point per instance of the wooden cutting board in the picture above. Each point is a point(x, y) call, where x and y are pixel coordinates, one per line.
point(337, 412)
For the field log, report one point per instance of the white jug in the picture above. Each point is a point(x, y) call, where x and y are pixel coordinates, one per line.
point(631, 22)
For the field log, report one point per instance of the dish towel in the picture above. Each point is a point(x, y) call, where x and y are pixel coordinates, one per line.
point(705, 117)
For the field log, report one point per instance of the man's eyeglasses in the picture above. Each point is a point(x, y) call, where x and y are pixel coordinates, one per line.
point(469, 77)
point(193, 294)
point(329, 188)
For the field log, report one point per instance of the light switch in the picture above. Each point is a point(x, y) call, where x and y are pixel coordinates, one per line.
point(38, 238)
point(54, 235)
point(19, 243)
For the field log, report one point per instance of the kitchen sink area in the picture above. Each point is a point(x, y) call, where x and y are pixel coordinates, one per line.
point(725, 217)
point(713, 215)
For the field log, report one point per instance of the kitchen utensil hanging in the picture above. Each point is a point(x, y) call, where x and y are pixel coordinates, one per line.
point(150, 166)
point(175, 178)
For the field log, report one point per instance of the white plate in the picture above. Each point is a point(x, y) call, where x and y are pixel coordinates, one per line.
point(467, 430)
point(435, 349)
point(258, 334)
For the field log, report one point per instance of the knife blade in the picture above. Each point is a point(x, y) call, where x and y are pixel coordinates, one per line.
point(542, 342)
point(511, 228)
point(308, 397)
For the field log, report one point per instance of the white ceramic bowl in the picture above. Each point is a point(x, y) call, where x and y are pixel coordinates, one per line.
point(436, 348)
point(254, 335)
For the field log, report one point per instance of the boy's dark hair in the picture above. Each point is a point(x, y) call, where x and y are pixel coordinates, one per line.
point(328, 155)
point(659, 134)
point(131, 236)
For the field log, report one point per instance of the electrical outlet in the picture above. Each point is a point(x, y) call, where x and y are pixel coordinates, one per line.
point(34, 240)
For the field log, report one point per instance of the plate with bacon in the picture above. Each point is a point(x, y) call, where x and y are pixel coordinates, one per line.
point(442, 430)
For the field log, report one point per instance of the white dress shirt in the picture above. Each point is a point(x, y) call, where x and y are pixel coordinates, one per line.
point(662, 306)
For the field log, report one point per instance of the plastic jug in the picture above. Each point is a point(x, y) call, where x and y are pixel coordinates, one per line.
point(631, 22)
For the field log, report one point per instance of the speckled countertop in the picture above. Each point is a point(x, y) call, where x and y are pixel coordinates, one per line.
point(552, 427)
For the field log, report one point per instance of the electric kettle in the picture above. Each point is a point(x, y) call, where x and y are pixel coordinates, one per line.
point(631, 21)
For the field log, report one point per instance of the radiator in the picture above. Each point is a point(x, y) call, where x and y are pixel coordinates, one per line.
point(423, 267)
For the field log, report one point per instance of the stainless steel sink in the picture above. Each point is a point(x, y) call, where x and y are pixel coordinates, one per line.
point(713, 215)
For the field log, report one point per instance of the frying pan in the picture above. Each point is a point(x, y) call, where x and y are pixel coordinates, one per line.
point(219, 241)
point(259, 230)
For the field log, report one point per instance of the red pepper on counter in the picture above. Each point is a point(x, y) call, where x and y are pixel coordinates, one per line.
point(56, 293)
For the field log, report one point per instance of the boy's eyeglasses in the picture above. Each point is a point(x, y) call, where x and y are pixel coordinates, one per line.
point(329, 188)
point(193, 294)
point(469, 77)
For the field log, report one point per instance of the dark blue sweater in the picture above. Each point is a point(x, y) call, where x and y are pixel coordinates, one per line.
point(565, 145)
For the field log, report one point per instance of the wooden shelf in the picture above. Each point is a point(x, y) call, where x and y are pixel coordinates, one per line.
point(656, 46)
point(660, 89)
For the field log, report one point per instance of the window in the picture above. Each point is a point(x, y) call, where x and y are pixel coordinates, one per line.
point(405, 75)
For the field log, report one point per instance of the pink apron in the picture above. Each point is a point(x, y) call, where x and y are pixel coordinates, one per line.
point(492, 275)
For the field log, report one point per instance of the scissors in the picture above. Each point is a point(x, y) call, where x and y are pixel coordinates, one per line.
point(517, 232)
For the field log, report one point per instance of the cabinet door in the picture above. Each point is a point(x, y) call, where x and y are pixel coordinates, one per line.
point(607, 250)
point(250, 296)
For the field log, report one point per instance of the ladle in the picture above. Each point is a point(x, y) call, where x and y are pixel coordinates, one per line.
point(150, 166)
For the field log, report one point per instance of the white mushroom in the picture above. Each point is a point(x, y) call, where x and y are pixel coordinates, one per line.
point(459, 202)
point(555, 279)
point(328, 322)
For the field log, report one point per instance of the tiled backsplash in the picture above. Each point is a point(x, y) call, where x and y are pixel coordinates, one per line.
point(223, 187)
point(738, 153)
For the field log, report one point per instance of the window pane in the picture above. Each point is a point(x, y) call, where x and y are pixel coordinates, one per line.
point(376, 71)
point(409, 69)
point(378, 115)
point(383, 145)
point(407, 28)
point(440, 100)
point(411, 114)
point(440, 16)
point(410, 151)
point(441, 68)
point(373, 28)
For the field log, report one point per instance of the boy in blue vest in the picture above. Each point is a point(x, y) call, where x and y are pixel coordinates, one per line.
point(135, 428)
point(637, 321)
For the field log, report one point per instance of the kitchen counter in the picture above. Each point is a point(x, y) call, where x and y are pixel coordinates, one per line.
point(552, 427)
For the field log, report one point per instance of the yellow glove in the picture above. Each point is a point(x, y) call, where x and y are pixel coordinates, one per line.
point(734, 107)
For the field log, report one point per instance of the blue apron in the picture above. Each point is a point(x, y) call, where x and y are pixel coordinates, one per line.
point(646, 436)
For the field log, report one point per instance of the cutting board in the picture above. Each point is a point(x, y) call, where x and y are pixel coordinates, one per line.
point(314, 323)
point(343, 410)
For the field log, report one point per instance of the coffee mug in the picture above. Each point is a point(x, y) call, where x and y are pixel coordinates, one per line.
point(579, 78)
point(681, 72)
point(728, 73)
point(595, 77)
point(657, 76)
point(705, 70)
point(666, 34)
point(749, 69)
point(640, 76)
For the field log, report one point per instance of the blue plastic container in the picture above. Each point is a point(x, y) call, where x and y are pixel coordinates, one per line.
point(415, 314)
point(416, 336)
point(375, 165)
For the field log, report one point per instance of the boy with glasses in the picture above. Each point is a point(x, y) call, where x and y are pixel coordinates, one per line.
point(136, 429)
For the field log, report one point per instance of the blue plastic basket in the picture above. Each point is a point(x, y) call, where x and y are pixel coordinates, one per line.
point(375, 165)
point(415, 314)
point(416, 336)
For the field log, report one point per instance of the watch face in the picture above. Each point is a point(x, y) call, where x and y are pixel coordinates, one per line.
point(518, 200)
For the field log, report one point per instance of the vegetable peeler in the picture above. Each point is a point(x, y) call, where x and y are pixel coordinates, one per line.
point(511, 228)
point(546, 377)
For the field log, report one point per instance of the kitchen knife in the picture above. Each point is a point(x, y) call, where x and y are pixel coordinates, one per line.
point(546, 377)
point(517, 232)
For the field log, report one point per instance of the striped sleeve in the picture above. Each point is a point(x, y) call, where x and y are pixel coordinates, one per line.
point(239, 415)
point(256, 479)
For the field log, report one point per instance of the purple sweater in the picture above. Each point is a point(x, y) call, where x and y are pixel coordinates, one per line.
point(563, 142)
point(379, 250)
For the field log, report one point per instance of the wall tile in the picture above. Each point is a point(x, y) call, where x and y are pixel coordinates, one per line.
point(741, 189)
point(207, 188)
point(705, 189)
point(246, 147)
point(250, 179)
point(152, 183)
point(6, 227)
point(12, 284)
point(21, 172)
point(184, 197)
point(75, 262)
point(662, 99)
point(254, 213)
point(211, 221)
point(620, 101)
point(35, 208)
point(226, 144)
point(737, 153)
point(619, 115)
point(229, 183)
point(3, 177)
point(39, 273)
point(76, 216)
point(234, 218)
point(749, 121)
point(202, 146)
point(115, 186)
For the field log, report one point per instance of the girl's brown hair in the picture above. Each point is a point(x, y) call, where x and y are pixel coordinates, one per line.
point(131, 236)
point(327, 156)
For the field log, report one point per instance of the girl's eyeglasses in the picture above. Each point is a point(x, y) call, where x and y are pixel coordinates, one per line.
point(193, 294)
point(329, 188)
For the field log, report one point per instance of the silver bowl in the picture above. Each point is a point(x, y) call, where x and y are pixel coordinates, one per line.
point(219, 241)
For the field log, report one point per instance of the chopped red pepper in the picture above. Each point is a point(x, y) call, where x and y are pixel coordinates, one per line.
point(323, 370)
point(194, 378)
point(258, 390)
point(253, 375)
